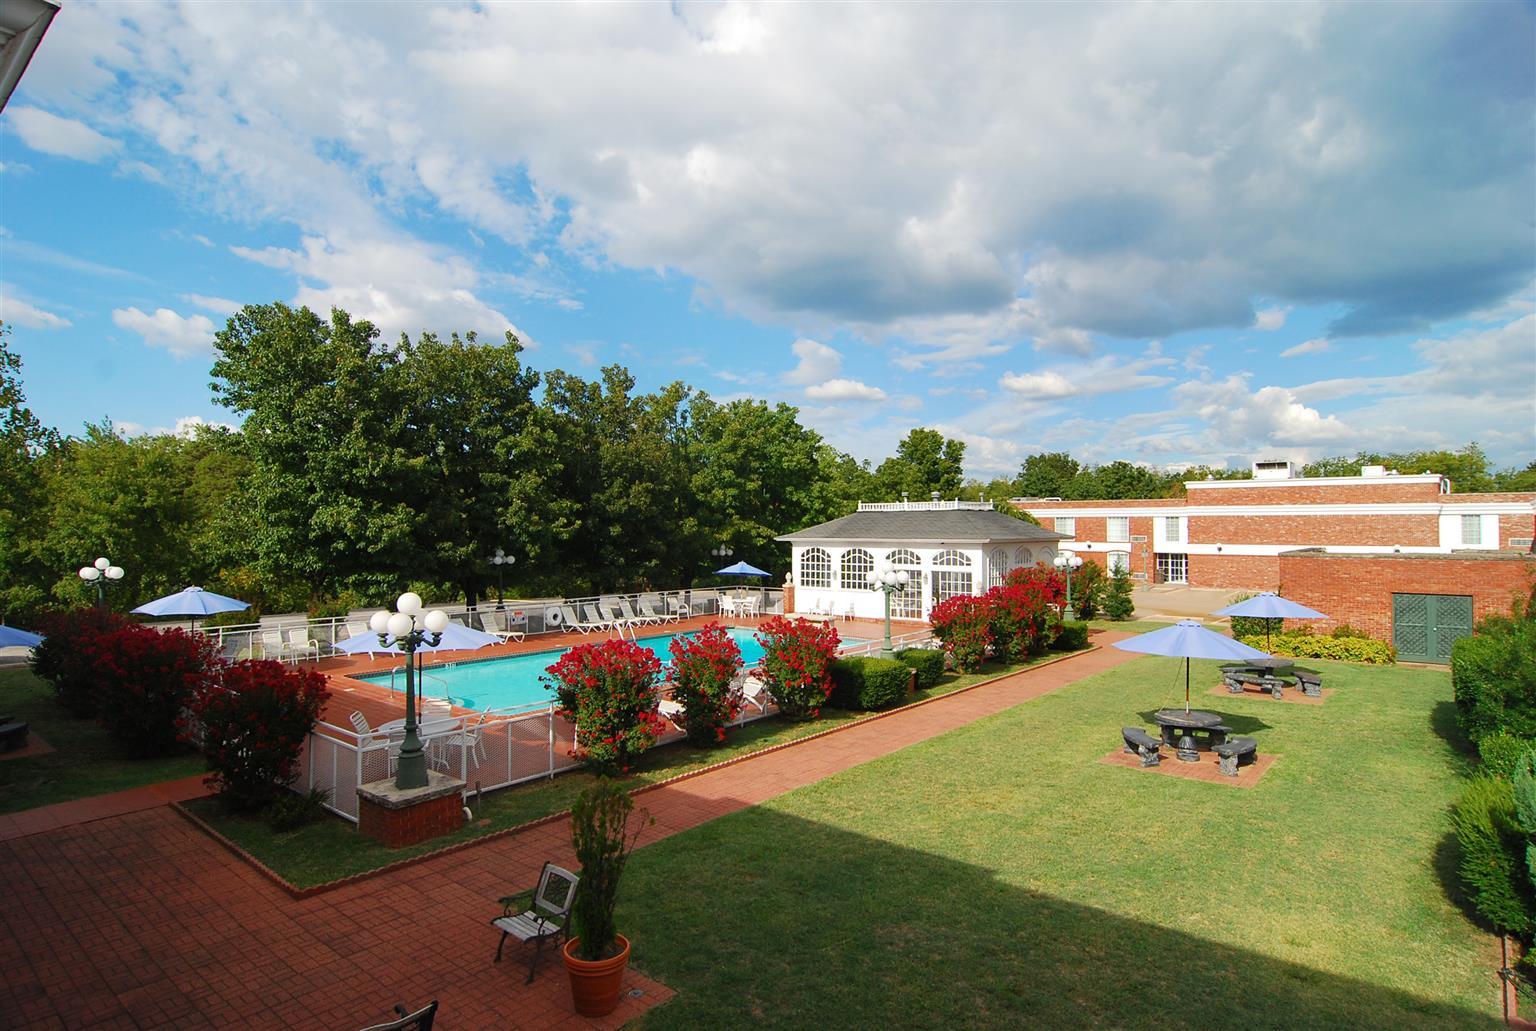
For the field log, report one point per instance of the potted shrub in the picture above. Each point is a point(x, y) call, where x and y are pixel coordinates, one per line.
point(596, 953)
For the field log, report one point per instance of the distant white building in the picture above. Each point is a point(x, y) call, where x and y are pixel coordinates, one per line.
point(946, 547)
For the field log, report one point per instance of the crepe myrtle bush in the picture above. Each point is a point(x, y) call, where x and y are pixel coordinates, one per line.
point(963, 624)
point(1022, 619)
point(703, 666)
point(146, 679)
point(67, 657)
point(797, 661)
point(251, 724)
point(609, 691)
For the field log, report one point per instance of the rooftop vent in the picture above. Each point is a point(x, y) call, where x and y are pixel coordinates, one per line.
point(1373, 470)
point(1274, 470)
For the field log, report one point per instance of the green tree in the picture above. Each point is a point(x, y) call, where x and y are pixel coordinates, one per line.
point(1516, 479)
point(842, 481)
point(1117, 480)
point(925, 461)
point(27, 448)
point(1046, 475)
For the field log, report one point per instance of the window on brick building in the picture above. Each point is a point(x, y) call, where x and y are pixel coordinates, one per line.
point(1171, 528)
point(1066, 525)
point(1119, 562)
point(1117, 529)
point(1471, 530)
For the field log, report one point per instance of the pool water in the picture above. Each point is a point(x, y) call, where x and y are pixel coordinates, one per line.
point(513, 682)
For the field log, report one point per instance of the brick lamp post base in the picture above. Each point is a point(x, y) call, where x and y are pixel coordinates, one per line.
point(398, 817)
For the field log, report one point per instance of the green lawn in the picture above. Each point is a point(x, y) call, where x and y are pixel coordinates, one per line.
point(85, 761)
point(331, 848)
point(1001, 876)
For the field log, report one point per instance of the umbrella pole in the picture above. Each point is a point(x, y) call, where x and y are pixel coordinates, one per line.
point(1186, 685)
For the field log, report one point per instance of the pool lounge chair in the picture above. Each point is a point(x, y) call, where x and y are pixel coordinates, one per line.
point(672, 712)
point(755, 693)
point(632, 616)
point(498, 623)
point(592, 620)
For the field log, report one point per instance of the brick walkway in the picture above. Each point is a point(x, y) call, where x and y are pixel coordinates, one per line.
point(99, 807)
point(141, 921)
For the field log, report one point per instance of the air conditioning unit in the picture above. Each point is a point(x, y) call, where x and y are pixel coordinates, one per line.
point(1138, 538)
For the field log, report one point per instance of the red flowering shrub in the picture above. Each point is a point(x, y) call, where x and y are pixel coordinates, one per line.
point(67, 656)
point(1021, 619)
point(703, 666)
point(797, 664)
point(963, 624)
point(609, 691)
point(145, 679)
point(252, 723)
point(1052, 583)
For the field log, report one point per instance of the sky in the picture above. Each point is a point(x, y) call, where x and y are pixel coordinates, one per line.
point(1171, 234)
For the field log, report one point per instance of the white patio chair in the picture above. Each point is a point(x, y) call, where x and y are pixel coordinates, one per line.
point(370, 740)
point(470, 740)
point(500, 624)
point(648, 609)
point(569, 621)
point(727, 605)
point(592, 619)
point(300, 644)
point(272, 646)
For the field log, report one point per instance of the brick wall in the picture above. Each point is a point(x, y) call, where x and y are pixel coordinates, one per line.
point(1358, 589)
point(1379, 492)
point(1305, 531)
point(1516, 526)
point(1251, 572)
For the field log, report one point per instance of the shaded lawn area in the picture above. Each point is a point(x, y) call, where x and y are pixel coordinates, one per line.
point(331, 848)
point(1130, 626)
point(85, 761)
point(1001, 876)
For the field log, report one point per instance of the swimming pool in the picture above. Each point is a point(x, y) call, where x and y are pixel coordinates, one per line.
point(513, 682)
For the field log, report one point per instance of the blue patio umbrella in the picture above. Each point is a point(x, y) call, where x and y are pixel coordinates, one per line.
point(742, 569)
point(191, 602)
point(456, 637)
point(1187, 640)
point(1270, 605)
point(10, 637)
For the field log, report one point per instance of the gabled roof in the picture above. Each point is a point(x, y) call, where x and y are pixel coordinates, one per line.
point(943, 527)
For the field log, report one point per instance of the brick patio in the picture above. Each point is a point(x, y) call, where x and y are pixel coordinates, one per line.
point(141, 921)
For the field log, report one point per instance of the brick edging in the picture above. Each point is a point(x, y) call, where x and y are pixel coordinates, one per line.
point(296, 892)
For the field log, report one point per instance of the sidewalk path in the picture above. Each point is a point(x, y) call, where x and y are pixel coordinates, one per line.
point(142, 921)
point(99, 807)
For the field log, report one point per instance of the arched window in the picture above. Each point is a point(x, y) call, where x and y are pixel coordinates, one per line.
point(857, 565)
point(997, 567)
point(815, 568)
point(952, 575)
point(1023, 557)
point(1047, 556)
point(907, 603)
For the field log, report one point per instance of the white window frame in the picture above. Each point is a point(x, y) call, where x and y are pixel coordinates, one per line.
point(1117, 529)
point(907, 603)
point(855, 568)
point(1475, 539)
point(1066, 525)
point(997, 566)
point(1118, 560)
point(1173, 529)
point(816, 568)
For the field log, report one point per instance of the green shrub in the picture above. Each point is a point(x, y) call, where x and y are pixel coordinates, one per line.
point(1072, 636)
point(1309, 646)
point(929, 663)
point(1344, 630)
point(1118, 603)
point(1089, 585)
point(337, 607)
point(1493, 862)
point(240, 617)
point(1253, 626)
point(1493, 677)
point(1502, 753)
point(867, 683)
point(294, 810)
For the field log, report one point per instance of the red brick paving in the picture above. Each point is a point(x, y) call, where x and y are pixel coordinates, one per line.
point(99, 807)
point(143, 921)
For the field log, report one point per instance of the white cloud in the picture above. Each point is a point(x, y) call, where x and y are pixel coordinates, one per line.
point(29, 316)
point(217, 305)
point(63, 137)
point(817, 362)
point(183, 336)
point(1270, 319)
point(1269, 416)
point(1317, 345)
point(186, 426)
point(1039, 384)
point(844, 390)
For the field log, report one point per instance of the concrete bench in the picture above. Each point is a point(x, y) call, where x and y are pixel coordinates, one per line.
point(1238, 751)
point(1139, 742)
point(1311, 684)
point(13, 735)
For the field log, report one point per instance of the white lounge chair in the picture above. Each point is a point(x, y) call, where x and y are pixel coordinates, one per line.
point(672, 712)
point(755, 693)
point(569, 621)
point(650, 607)
point(631, 616)
point(592, 619)
point(502, 626)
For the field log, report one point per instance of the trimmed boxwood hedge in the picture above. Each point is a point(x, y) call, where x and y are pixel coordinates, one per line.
point(929, 663)
point(1072, 637)
point(1345, 649)
point(1493, 679)
point(869, 683)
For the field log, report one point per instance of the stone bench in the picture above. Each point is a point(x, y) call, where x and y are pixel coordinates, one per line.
point(1238, 751)
point(1139, 742)
point(1237, 681)
point(1311, 684)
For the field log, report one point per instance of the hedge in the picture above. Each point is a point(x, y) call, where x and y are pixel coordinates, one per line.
point(1492, 866)
point(1345, 649)
point(1503, 753)
point(929, 663)
point(869, 683)
point(1073, 636)
point(1493, 678)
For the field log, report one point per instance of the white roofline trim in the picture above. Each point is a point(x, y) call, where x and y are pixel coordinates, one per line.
point(1313, 481)
point(1302, 508)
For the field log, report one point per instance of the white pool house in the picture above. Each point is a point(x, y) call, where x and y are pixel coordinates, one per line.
point(945, 547)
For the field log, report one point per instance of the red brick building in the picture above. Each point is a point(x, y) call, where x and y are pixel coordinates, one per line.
point(1231, 533)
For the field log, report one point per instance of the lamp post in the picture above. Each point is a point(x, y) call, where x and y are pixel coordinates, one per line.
point(501, 560)
point(888, 581)
point(1067, 562)
point(99, 573)
point(406, 629)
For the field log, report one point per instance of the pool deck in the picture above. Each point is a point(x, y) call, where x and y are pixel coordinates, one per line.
point(379, 704)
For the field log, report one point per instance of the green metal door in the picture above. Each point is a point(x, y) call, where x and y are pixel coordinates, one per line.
point(1424, 626)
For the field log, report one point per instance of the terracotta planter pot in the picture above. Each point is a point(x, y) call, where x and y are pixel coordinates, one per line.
point(595, 985)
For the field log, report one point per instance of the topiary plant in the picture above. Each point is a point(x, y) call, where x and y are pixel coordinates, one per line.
point(600, 835)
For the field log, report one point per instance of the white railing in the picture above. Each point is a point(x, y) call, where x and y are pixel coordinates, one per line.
point(925, 506)
point(535, 616)
point(916, 639)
